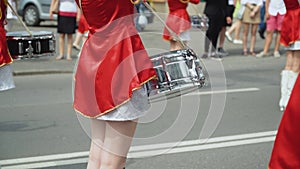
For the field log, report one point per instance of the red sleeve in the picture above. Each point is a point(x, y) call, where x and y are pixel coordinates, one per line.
point(194, 1)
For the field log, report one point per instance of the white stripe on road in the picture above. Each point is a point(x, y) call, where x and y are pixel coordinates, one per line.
point(144, 150)
point(224, 91)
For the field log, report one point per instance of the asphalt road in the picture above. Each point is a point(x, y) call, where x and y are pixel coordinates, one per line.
point(238, 111)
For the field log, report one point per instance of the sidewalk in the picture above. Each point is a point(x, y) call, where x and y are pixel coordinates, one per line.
point(151, 40)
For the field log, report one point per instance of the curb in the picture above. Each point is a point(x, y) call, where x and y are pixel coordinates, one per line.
point(40, 72)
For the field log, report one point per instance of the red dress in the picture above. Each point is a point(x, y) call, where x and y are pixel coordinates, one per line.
point(178, 19)
point(113, 61)
point(290, 31)
point(5, 57)
point(83, 26)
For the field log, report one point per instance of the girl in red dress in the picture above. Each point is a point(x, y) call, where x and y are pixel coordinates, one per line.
point(6, 78)
point(109, 83)
point(179, 22)
point(290, 38)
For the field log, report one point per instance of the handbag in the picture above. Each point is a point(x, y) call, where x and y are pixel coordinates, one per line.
point(54, 7)
point(240, 12)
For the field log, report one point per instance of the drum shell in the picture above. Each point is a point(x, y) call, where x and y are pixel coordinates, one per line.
point(42, 44)
point(175, 70)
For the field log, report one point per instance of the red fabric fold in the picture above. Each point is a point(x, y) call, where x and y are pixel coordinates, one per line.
point(286, 150)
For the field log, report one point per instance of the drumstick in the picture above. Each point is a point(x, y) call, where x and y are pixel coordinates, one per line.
point(13, 10)
point(166, 26)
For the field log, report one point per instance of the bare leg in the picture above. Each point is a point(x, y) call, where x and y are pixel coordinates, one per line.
point(245, 37)
point(296, 61)
point(253, 38)
point(69, 47)
point(277, 42)
point(268, 41)
point(118, 138)
point(289, 60)
point(232, 27)
point(175, 45)
point(61, 46)
point(237, 30)
point(98, 132)
point(222, 37)
point(77, 39)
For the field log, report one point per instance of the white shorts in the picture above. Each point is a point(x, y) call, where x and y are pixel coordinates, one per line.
point(294, 46)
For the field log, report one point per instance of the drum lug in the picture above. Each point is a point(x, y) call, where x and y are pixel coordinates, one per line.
point(51, 45)
point(38, 47)
point(20, 45)
point(29, 50)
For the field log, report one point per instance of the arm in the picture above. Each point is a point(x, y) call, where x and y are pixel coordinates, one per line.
point(267, 9)
point(51, 6)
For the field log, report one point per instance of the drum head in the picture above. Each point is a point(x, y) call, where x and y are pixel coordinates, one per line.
point(24, 34)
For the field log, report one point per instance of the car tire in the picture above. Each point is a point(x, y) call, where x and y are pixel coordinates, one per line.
point(31, 16)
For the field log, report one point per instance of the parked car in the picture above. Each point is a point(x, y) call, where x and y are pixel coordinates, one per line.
point(34, 11)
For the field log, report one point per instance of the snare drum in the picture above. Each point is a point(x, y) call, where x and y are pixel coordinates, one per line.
point(22, 45)
point(176, 70)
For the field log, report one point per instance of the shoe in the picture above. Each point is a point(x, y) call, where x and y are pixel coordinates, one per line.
point(76, 47)
point(222, 52)
point(216, 56)
point(261, 34)
point(261, 54)
point(236, 41)
point(276, 54)
point(228, 37)
point(59, 57)
point(204, 56)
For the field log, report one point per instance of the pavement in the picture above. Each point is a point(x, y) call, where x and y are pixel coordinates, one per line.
point(50, 65)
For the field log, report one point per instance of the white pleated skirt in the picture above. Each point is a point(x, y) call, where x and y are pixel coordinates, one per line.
point(6, 78)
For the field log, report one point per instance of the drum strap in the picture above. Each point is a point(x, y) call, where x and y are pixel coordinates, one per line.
point(166, 26)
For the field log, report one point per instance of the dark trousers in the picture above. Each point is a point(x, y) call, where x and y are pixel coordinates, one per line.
point(215, 23)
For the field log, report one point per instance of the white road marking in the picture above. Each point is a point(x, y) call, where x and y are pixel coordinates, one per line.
point(144, 150)
point(224, 91)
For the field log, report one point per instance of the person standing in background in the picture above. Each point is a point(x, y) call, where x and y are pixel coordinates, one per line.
point(82, 32)
point(236, 26)
point(216, 11)
point(290, 38)
point(6, 77)
point(251, 17)
point(262, 25)
point(66, 25)
point(179, 22)
point(230, 9)
point(275, 11)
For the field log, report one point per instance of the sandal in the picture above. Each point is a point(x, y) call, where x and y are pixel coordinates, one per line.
point(245, 53)
point(59, 57)
point(252, 53)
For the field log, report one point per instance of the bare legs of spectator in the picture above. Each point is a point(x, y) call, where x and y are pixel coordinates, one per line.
point(252, 40)
point(110, 144)
point(176, 45)
point(236, 28)
point(289, 76)
point(62, 46)
point(268, 43)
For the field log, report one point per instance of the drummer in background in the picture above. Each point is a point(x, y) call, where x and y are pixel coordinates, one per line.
point(66, 25)
point(82, 32)
point(6, 77)
point(10, 17)
point(179, 22)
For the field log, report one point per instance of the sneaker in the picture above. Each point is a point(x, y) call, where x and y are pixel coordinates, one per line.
point(204, 56)
point(222, 52)
point(236, 41)
point(216, 56)
point(228, 37)
point(76, 47)
point(261, 54)
point(276, 54)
